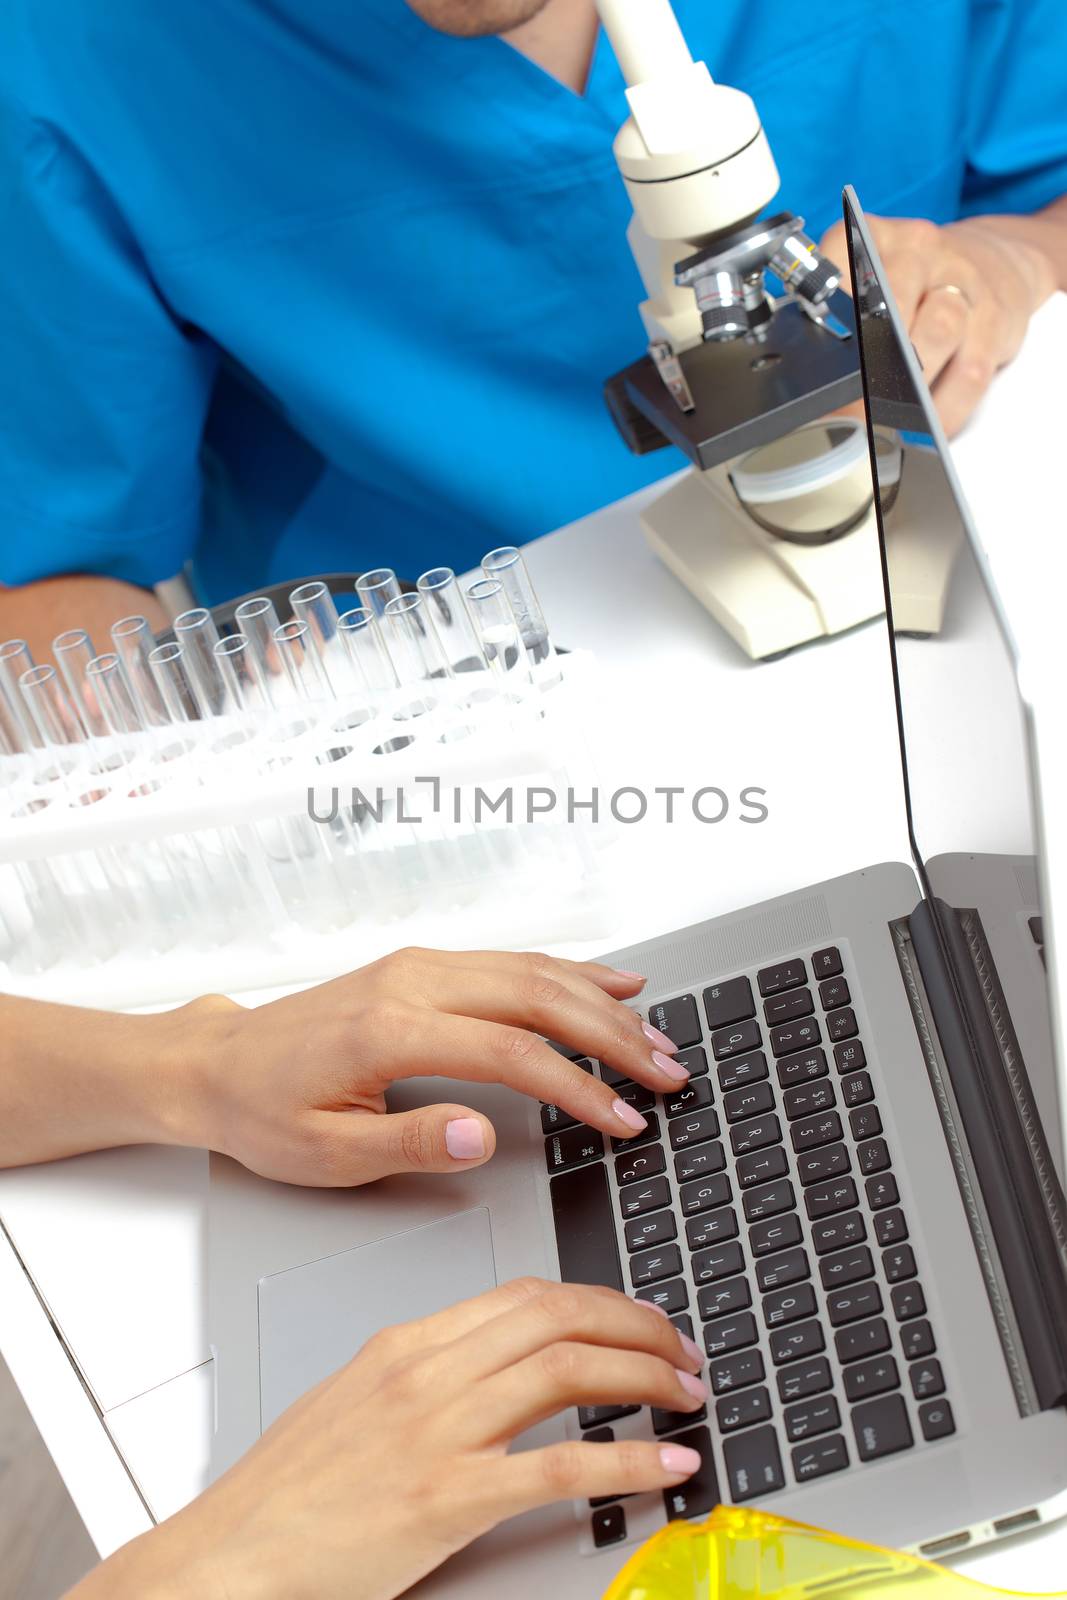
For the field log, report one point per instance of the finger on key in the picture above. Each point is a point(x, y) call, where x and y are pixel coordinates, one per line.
point(526, 1479)
point(570, 1312)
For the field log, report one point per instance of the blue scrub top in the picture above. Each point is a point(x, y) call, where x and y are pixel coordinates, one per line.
point(303, 285)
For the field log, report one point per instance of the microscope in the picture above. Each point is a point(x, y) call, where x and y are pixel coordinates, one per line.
point(773, 530)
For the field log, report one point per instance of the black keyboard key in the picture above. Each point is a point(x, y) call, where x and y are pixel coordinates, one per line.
point(1037, 929)
point(720, 1261)
point(823, 1128)
point(812, 1417)
point(667, 1421)
point(723, 1299)
point(755, 1134)
point(671, 1297)
point(833, 992)
point(927, 1379)
point(762, 1166)
point(820, 1457)
point(898, 1263)
point(742, 1069)
point(617, 1080)
point(585, 1228)
point(823, 1199)
point(777, 1272)
point(819, 1165)
point(730, 1333)
point(554, 1119)
point(638, 1165)
point(808, 1098)
point(596, 1416)
point(783, 1306)
point(857, 1089)
point(802, 1067)
point(846, 1266)
point(881, 1427)
point(736, 1371)
point(602, 1436)
point(694, 1097)
point(579, 1058)
point(699, 1495)
point(775, 1234)
point(873, 1156)
point(695, 1129)
point(684, 1323)
point(826, 963)
point(705, 1194)
point(881, 1191)
point(658, 1227)
point(769, 1201)
point(786, 975)
point(842, 1024)
point(648, 1135)
point(936, 1420)
point(695, 1061)
point(572, 1148)
point(711, 1227)
point(803, 1378)
point(736, 1041)
point(678, 1019)
point(890, 1227)
point(729, 1002)
point(800, 1339)
point(862, 1340)
point(642, 1197)
point(837, 1232)
point(705, 1160)
point(865, 1122)
point(609, 1526)
point(849, 1057)
point(651, 1266)
point(788, 1007)
point(636, 1095)
point(853, 1303)
point(748, 1101)
point(753, 1464)
point(868, 1378)
point(791, 1036)
point(908, 1301)
point(743, 1410)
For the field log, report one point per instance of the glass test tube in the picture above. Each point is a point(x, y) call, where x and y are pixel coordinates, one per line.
point(413, 647)
point(15, 659)
point(168, 665)
point(507, 567)
point(296, 644)
point(134, 641)
point(313, 603)
point(443, 603)
point(243, 677)
point(498, 630)
point(196, 633)
point(53, 717)
point(258, 620)
point(73, 651)
point(376, 588)
point(372, 670)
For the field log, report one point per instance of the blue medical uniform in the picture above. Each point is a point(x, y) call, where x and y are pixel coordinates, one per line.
point(299, 285)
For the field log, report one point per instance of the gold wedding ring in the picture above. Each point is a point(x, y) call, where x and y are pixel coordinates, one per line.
point(953, 288)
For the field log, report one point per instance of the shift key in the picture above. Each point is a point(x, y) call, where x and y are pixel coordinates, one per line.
point(699, 1495)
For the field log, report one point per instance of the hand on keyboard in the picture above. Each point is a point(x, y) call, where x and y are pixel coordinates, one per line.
point(401, 1459)
point(296, 1089)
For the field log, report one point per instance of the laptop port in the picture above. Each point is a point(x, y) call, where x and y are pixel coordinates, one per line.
point(941, 1547)
point(1021, 1519)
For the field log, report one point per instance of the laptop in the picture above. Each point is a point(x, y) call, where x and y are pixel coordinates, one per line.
point(855, 1204)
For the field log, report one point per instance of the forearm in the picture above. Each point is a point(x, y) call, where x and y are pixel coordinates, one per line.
point(74, 1080)
point(1045, 231)
point(37, 612)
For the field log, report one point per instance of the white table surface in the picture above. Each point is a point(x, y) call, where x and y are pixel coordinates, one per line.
point(109, 1248)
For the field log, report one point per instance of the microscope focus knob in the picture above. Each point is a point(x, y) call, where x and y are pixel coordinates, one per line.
point(804, 270)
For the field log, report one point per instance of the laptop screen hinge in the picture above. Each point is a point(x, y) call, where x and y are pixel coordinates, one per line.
point(1010, 1190)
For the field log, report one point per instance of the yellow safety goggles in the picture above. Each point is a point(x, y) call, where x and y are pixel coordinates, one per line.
point(748, 1555)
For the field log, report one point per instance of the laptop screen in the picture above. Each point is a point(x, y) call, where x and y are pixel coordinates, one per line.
point(964, 727)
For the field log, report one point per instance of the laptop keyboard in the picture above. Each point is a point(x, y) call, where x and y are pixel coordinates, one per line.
point(759, 1209)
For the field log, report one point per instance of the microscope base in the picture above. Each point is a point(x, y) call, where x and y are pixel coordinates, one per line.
point(771, 596)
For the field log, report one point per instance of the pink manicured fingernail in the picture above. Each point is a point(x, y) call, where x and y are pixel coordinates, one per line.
point(680, 1459)
point(628, 1116)
point(635, 977)
point(692, 1384)
point(465, 1139)
point(673, 1069)
point(691, 1349)
point(660, 1040)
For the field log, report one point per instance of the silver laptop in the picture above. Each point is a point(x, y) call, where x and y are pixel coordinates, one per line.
point(856, 1202)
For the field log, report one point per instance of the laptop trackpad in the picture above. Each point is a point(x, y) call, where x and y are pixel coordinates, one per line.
point(312, 1319)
